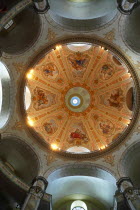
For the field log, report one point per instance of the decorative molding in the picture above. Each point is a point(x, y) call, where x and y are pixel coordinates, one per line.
point(110, 36)
point(51, 35)
point(91, 166)
point(17, 126)
point(50, 158)
point(109, 159)
point(19, 67)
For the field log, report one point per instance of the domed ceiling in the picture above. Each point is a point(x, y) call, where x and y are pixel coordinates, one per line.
point(79, 98)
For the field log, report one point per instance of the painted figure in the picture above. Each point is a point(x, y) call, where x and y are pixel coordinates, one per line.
point(41, 98)
point(78, 137)
point(49, 69)
point(78, 61)
point(106, 127)
point(50, 127)
point(107, 72)
point(116, 99)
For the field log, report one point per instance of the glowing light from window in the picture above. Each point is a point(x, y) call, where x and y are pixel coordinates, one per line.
point(27, 98)
point(79, 47)
point(30, 122)
point(75, 101)
point(58, 47)
point(103, 147)
point(76, 149)
point(79, 1)
point(78, 205)
point(29, 75)
point(54, 147)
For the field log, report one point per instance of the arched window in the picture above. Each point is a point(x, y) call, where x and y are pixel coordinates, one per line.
point(78, 208)
point(4, 95)
point(79, 47)
point(78, 205)
point(77, 149)
point(27, 98)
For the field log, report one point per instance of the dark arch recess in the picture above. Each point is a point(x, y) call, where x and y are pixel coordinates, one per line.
point(19, 159)
point(131, 162)
point(23, 33)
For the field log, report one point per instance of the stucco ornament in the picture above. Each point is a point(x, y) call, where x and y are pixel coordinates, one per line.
point(51, 35)
point(110, 159)
point(110, 36)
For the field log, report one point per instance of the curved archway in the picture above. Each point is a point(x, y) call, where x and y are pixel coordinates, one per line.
point(128, 24)
point(130, 163)
point(4, 95)
point(79, 181)
point(80, 170)
point(82, 15)
point(15, 159)
point(78, 205)
point(21, 32)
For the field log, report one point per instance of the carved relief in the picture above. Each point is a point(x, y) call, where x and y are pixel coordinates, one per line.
point(51, 35)
point(110, 35)
point(110, 159)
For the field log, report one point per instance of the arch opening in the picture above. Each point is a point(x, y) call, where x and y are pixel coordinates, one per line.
point(130, 163)
point(78, 205)
point(4, 95)
point(80, 182)
point(15, 159)
point(20, 33)
point(82, 15)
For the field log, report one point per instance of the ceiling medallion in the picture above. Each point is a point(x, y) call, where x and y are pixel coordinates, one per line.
point(77, 99)
point(81, 103)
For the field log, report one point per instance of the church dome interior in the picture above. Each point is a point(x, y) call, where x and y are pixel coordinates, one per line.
point(79, 99)
point(69, 105)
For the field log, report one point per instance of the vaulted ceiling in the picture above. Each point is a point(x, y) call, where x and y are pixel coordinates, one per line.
point(78, 98)
point(100, 82)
